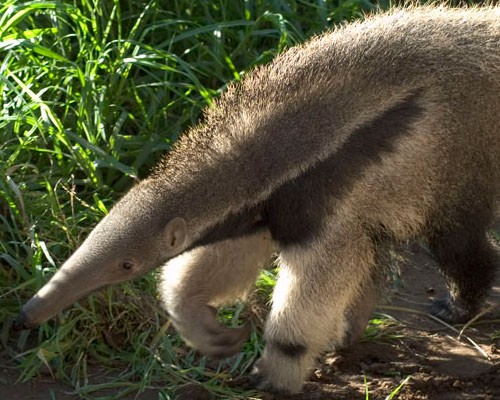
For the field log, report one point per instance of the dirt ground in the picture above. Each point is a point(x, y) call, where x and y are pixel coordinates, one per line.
point(441, 366)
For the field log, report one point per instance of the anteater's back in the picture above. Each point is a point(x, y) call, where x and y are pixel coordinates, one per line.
point(310, 99)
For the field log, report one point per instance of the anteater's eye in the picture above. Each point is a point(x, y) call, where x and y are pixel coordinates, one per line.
point(127, 265)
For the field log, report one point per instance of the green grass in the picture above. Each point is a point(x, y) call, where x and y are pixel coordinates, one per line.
point(92, 93)
point(390, 395)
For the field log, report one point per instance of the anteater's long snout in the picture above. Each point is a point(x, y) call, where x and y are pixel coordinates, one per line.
point(50, 300)
point(71, 283)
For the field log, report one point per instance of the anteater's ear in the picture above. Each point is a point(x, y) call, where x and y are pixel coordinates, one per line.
point(175, 233)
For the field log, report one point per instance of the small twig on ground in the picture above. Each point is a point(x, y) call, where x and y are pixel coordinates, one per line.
point(440, 321)
point(488, 309)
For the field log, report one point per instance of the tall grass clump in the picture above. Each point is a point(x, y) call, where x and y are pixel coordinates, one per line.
point(91, 93)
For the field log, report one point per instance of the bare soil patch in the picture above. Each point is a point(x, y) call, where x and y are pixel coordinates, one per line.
point(441, 366)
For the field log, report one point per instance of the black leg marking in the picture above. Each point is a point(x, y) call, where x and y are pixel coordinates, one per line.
point(292, 350)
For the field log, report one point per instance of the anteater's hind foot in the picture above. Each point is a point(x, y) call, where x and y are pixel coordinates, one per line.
point(469, 262)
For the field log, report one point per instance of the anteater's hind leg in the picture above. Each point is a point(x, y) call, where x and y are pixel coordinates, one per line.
point(193, 284)
point(468, 261)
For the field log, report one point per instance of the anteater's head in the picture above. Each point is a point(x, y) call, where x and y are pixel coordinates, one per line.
point(137, 236)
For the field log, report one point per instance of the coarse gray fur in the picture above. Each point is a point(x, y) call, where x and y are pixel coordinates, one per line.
point(377, 132)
